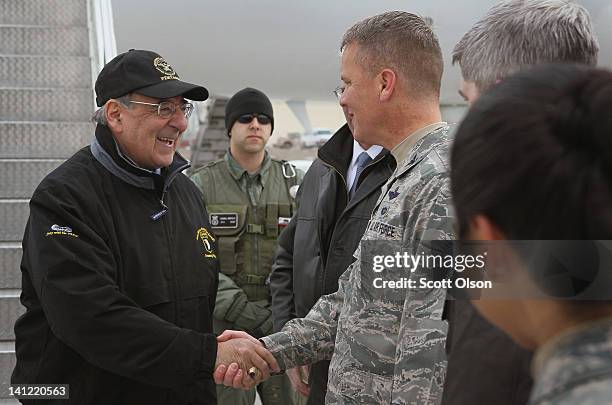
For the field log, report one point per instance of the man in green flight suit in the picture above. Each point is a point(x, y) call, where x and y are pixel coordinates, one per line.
point(249, 200)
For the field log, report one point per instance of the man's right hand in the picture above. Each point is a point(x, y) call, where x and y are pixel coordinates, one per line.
point(236, 355)
point(297, 375)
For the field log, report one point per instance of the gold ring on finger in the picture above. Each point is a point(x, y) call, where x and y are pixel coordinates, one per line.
point(253, 372)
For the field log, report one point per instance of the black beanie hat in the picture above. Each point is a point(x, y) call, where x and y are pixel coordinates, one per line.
point(247, 101)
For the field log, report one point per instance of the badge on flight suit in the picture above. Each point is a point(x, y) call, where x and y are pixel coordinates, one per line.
point(225, 220)
point(283, 222)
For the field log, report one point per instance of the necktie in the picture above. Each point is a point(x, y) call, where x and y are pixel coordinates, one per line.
point(362, 161)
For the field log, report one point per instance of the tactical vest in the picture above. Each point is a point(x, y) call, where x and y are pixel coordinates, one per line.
point(247, 235)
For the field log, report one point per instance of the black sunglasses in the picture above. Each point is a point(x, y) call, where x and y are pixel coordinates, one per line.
point(261, 118)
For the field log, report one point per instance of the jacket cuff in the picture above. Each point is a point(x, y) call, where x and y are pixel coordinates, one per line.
point(209, 353)
point(276, 345)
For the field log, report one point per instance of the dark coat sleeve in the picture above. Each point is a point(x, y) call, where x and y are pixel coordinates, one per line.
point(74, 275)
point(281, 278)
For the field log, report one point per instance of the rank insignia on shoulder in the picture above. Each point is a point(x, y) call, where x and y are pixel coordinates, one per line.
point(393, 193)
point(223, 219)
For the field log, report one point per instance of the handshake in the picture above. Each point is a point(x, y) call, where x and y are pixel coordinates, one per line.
point(242, 361)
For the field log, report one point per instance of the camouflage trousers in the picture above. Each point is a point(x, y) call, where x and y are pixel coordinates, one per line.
point(275, 391)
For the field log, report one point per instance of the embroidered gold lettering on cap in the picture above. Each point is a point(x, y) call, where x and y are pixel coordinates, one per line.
point(165, 68)
point(206, 238)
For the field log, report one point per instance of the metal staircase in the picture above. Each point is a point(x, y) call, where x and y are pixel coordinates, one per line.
point(211, 141)
point(46, 101)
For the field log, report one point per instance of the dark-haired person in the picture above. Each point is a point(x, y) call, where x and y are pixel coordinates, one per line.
point(508, 39)
point(120, 268)
point(531, 161)
point(248, 196)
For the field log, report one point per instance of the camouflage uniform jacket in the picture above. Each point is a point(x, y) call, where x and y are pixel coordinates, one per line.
point(576, 368)
point(384, 351)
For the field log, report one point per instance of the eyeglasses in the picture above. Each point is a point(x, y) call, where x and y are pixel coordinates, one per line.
point(167, 109)
point(339, 91)
point(261, 118)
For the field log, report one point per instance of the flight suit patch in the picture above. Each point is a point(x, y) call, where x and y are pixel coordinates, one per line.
point(283, 222)
point(226, 220)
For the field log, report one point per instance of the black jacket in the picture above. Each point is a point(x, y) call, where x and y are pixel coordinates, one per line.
point(119, 304)
point(318, 244)
point(484, 365)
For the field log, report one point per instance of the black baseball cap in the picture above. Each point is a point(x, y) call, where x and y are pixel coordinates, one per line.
point(146, 73)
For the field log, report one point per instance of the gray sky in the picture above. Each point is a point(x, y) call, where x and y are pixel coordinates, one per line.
point(288, 48)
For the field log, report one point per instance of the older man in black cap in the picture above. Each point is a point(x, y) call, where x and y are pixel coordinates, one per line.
point(119, 267)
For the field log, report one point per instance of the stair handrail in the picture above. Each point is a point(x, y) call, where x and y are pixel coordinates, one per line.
point(102, 35)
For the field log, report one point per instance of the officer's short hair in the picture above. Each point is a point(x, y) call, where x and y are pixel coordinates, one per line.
point(518, 33)
point(99, 117)
point(401, 41)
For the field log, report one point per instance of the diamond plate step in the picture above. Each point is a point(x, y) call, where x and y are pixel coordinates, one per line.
point(216, 134)
point(30, 40)
point(43, 139)
point(7, 364)
point(217, 124)
point(213, 144)
point(20, 177)
point(10, 310)
point(202, 157)
point(13, 217)
point(218, 107)
point(45, 71)
point(10, 259)
point(46, 104)
point(43, 12)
